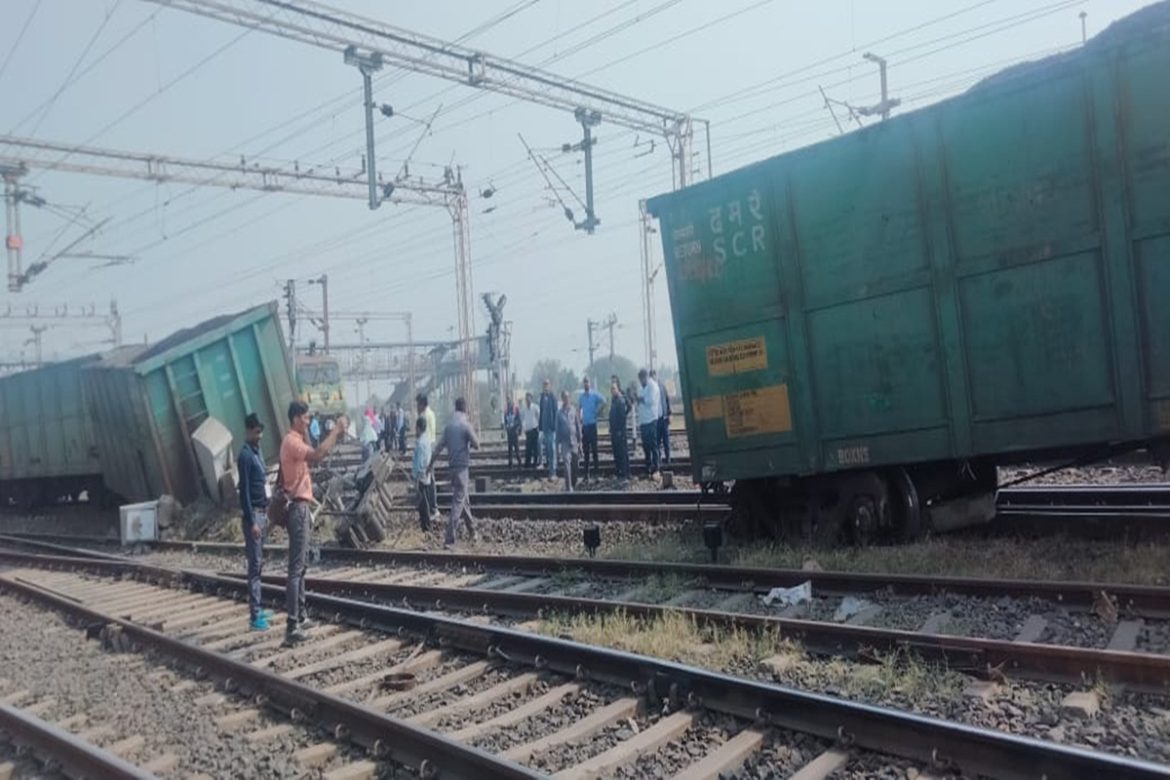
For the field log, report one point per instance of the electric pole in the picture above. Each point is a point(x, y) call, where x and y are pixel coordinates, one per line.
point(588, 120)
point(1084, 29)
point(361, 329)
point(323, 280)
point(13, 241)
point(589, 326)
point(36, 341)
point(290, 297)
point(649, 271)
point(610, 323)
point(115, 323)
point(368, 64)
point(883, 108)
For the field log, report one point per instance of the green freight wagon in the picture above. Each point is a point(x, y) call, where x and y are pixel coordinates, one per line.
point(47, 446)
point(867, 327)
point(146, 402)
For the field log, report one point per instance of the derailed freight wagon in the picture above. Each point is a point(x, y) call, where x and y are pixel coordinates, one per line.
point(47, 447)
point(146, 402)
point(868, 326)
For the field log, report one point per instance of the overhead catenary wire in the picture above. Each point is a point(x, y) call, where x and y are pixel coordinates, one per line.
point(76, 64)
point(90, 67)
point(19, 37)
point(479, 29)
point(637, 177)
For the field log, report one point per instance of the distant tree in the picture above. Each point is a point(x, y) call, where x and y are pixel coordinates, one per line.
point(604, 368)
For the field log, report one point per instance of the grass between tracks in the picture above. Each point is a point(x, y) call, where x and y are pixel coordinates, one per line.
point(679, 638)
point(1056, 558)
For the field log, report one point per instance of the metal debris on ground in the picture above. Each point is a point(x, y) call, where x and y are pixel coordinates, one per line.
point(789, 597)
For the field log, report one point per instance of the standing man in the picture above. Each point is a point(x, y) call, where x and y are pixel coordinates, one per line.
point(568, 437)
point(649, 410)
point(425, 410)
point(530, 420)
point(295, 458)
point(548, 427)
point(619, 410)
point(512, 429)
point(664, 420)
point(369, 439)
point(424, 478)
point(591, 403)
point(458, 440)
point(254, 504)
point(400, 428)
point(389, 437)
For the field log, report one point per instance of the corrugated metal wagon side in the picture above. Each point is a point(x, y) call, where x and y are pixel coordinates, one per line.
point(47, 446)
point(870, 325)
point(147, 401)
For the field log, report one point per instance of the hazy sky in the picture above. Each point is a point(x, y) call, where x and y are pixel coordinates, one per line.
point(178, 84)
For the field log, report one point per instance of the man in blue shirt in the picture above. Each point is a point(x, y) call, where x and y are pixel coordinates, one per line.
point(254, 504)
point(591, 403)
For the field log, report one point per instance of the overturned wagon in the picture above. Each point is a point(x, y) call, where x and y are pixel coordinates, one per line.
point(48, 450)
point(146, 403)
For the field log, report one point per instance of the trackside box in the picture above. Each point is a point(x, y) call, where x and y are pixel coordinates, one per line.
point(146, 402)
point(987, 276)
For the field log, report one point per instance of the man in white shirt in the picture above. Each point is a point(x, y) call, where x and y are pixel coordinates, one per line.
point(649, 410)
point(530, 420)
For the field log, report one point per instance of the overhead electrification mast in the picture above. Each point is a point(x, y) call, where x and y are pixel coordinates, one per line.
point(371, 44)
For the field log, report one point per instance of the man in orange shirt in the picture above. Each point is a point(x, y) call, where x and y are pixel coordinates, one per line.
point(296, 455)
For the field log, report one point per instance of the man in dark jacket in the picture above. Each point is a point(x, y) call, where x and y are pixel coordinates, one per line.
point(663, 420)
point(618, 412)
point(254, 504)
point(512, 429)
point(548, 427)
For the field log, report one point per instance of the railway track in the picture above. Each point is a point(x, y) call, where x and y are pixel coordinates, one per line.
point(29, 745)
point(1085, 510)
point(464, 699)
point(1091, 511)
point(1049, 631)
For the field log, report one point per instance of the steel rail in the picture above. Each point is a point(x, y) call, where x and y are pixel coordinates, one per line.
point(74, 756)
point(383, 735)
point(939, 743)
point(1125, 494)
point(985, 658)
point(1151, 601)
point(608, 513)
point(654, 497)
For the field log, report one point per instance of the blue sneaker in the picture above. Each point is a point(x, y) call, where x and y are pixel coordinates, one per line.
point(266, 614)
point(259, 624)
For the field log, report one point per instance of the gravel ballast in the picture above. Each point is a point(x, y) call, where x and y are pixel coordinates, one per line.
point(133, 695)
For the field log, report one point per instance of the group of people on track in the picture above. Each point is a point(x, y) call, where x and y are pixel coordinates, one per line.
point(561, 431)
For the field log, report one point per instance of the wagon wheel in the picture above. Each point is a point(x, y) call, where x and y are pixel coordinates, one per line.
point(907, 509)
point(868, 508)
